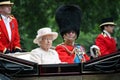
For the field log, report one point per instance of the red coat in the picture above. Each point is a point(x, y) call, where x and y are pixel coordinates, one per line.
point(106, 44)
point(67, 57)
point(4, 38)
point(64, 55)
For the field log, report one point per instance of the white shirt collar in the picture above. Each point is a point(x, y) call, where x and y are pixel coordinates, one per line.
point(6, 18)
point(108, 34)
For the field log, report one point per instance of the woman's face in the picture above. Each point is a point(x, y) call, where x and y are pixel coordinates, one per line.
point(46, 42)
point(70, 36)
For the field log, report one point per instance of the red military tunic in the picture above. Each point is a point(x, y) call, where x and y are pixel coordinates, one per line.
point(106, 44)
point(65, 56)
point(5, 43)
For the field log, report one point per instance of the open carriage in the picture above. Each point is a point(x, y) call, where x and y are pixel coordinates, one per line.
point(17, 67)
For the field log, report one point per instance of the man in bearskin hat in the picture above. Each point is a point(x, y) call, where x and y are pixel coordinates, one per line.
point(9, 35)
point(68, 18)
point(105, 41)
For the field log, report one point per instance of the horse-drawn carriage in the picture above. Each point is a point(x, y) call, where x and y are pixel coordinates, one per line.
point(16, 67)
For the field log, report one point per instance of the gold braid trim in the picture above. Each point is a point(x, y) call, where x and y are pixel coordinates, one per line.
point(70, 52)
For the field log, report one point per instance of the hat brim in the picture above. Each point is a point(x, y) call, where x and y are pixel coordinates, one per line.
point(108, 23)
point(6, 3)
point(54, 34)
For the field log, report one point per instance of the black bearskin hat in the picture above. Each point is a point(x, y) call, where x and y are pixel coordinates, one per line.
point(68, 18)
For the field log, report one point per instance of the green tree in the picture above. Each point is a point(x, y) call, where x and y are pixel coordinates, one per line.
point(35, 14)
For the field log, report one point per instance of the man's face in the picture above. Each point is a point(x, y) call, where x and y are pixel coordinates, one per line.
point(6, 9)
point(109, 28)
point(70, 36)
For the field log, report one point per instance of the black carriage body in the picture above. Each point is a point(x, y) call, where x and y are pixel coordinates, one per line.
point(18, 67)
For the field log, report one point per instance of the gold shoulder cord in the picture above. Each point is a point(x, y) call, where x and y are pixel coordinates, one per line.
point(70, 52)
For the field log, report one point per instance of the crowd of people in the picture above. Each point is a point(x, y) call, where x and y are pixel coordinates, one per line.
point(68, 18)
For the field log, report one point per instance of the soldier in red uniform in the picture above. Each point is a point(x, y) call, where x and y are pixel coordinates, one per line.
point(105, 41)
point(9, 36)
point(68, 18)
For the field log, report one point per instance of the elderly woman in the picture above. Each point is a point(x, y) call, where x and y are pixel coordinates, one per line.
point(44, 54)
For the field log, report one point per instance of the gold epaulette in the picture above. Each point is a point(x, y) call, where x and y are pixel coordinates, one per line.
point(12, 17)
point(105, 35)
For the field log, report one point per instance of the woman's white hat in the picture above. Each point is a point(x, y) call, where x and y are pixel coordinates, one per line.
point(44, 31)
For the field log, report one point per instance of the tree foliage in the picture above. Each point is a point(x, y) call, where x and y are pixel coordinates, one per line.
point(35, 14)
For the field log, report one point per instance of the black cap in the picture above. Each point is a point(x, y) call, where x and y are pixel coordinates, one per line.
point(107, 21)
